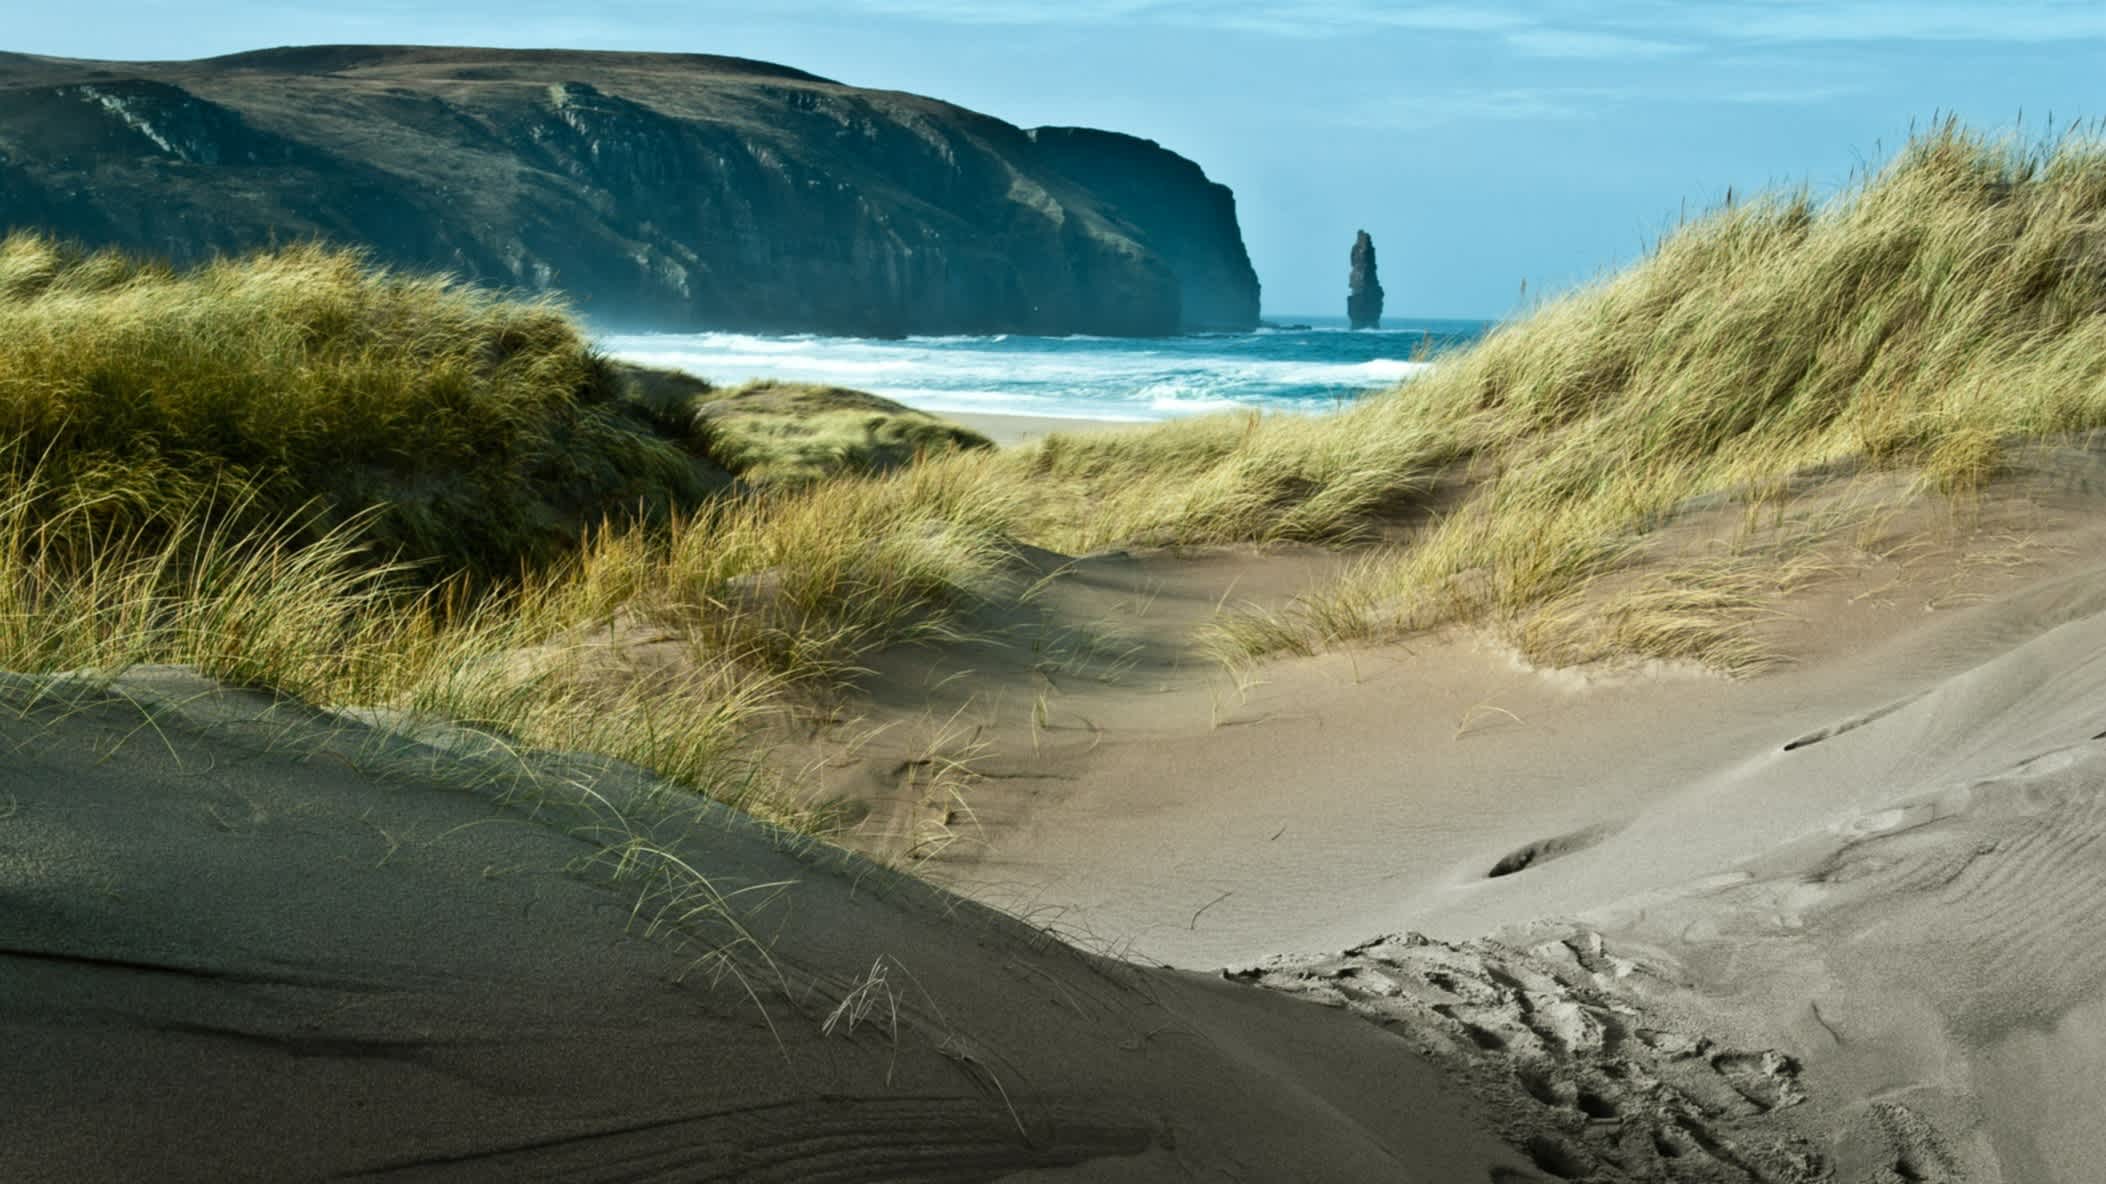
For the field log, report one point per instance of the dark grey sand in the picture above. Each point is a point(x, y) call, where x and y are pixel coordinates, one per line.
point(243, 941)
point(1837, 922)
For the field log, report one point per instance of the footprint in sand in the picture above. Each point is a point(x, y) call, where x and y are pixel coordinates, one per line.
point(1608, 1093)
point(1542, 851)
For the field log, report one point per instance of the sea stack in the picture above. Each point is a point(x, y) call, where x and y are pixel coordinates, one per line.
point(1363, 304)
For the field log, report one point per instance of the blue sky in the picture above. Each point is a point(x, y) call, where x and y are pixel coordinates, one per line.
point(1484, 145)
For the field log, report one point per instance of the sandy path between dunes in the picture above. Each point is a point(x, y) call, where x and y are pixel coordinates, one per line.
point(1886, 861)
point(1007, 430)
point(1839, 922)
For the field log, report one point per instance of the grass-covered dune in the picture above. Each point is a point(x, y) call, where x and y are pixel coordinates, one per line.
point(786, 432)
point(476, 432)
point(1942, 310)
point(215, 467)
point(297, 470)
point(1925, 320)
point(781, 431)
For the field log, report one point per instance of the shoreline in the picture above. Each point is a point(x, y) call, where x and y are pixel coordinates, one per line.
point(1008, 431)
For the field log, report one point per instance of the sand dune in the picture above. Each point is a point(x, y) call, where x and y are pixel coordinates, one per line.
point(1880, 863)
point(1837, 922)
point(244, 940)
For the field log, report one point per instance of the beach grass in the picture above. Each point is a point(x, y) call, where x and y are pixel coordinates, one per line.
point(1924, 320)
point(477, 430)
point(783, 432)
point(297, 471)
point(1927, 319)
point(300, 472)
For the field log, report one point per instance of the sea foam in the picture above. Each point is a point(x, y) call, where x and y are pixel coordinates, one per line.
point(1069, 377)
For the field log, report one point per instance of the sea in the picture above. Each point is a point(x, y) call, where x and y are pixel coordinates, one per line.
point(1294, 364)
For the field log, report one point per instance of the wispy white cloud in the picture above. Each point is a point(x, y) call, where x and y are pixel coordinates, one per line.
point(1785, 96)
point(1547, 28)
point(1510, 24)
point(1294, 18)
point(1437, 18)
point(1017, 12)
point(1581, 43)
point(1887, 20)
point(1415, 112)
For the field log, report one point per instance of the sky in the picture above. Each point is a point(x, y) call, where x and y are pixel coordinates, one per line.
point(1498, 152)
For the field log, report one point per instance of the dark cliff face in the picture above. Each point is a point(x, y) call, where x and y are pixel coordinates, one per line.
point(1189, 220)
point(654, 190)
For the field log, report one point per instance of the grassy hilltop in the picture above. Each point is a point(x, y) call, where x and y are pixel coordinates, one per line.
point(272, 468)
point(669, 191)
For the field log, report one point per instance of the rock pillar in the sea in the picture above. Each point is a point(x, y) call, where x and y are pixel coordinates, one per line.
point(1363, 304)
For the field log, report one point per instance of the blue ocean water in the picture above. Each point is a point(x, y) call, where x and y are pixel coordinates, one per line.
point(1313, 363)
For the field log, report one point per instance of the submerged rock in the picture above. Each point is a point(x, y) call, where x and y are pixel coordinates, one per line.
point(1364, 295)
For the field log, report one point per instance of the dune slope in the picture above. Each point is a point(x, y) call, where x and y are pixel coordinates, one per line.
point(1859, 889)
point(244, 939)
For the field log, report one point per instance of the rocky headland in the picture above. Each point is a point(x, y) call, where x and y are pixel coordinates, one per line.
point(654, 190)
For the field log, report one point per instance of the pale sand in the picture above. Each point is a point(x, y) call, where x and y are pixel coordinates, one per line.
point(1883, 863)
point(1007, 430)
point(1837, 922)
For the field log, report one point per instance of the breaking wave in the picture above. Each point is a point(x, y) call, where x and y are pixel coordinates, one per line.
point(1071, 377)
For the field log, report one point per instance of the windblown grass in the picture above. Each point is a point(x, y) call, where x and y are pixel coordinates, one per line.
point(298, 472)
point(308, 610)
point(750, 603)
point(1942, 309)
point(274, 468)
point(1229, 478)
point(778, 431)
point(806, 580)
point(476, 432)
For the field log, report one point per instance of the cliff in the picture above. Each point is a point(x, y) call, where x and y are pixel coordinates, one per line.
point(656, 191)
point(1189, 220)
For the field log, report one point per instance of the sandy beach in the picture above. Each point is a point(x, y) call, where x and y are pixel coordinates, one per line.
point(1006, 430)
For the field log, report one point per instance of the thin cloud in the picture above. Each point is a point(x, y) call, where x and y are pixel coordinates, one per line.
point(1787, 96)
point(1579, 43)
point(1881, 20)
point(1633, 28)
point(1018, 12)
point(1301, 20)
point(1421, 111)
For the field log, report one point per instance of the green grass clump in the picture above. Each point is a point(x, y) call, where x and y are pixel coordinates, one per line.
point(1236, 477)
point(470, 431)
point(806, 580)
point(789, 432)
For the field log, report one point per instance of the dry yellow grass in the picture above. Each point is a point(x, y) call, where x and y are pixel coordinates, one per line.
point(1924, 320)
point(473, 431)
point(222, 467)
